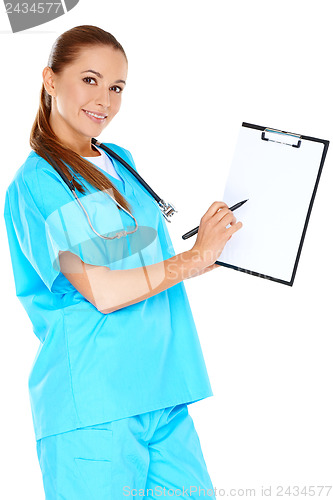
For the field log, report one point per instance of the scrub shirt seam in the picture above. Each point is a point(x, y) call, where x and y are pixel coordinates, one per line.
point(38, 208)
point(69, 366)
point(40, 160)
point(42, 201)
point(40, 190)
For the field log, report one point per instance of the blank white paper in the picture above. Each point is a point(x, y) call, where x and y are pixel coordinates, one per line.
point(279, 181)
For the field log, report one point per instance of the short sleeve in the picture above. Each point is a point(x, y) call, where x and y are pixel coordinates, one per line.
point(46, 219)
point(27, 236)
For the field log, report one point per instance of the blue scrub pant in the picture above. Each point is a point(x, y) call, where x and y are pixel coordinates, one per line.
point(152, 455)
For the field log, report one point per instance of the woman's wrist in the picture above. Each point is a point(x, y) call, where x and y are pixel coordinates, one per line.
point(194, 263)
point(202, 266)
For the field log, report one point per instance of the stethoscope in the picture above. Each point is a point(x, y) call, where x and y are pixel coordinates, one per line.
point(166, 208)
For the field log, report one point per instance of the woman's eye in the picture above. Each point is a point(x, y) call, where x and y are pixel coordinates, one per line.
point(88, 78)
point(118, 89)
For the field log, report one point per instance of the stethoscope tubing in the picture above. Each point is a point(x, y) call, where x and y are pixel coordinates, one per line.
point(167, 209)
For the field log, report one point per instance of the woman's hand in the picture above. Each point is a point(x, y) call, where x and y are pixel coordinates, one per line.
point(213, 232)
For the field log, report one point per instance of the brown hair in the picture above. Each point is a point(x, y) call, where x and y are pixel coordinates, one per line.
point(42, 138)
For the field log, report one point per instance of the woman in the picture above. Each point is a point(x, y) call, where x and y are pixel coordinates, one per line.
point(119, 359)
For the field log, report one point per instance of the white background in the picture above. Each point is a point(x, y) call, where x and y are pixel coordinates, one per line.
point(196, 71)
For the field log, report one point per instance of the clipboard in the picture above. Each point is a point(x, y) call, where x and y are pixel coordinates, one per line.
point(278, 172)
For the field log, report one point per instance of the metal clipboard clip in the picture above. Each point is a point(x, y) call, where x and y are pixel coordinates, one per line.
point(273, 135)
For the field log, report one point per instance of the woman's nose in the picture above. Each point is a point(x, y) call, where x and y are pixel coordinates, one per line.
point(104, 98)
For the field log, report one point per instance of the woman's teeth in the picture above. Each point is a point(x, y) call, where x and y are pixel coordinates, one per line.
point(94, 115)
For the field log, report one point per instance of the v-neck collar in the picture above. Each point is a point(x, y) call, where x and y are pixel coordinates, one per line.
point(123, 181)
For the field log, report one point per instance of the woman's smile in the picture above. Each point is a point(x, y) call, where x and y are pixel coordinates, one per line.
point(95, 117)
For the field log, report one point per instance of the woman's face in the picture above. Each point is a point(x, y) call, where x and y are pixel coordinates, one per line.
point(76, 92)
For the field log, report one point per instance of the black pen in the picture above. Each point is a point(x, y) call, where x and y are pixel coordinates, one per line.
point(195, 230)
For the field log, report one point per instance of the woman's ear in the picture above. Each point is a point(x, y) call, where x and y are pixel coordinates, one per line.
point(48, 79)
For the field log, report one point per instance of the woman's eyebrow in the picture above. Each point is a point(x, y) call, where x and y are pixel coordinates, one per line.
point(101, 76)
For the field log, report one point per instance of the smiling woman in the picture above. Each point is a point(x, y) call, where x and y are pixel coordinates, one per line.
point(63, 129)
point(119, 359)
point(76, 98)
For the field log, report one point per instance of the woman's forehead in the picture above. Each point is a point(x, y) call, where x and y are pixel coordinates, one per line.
point(101, 52)
point(100, 59)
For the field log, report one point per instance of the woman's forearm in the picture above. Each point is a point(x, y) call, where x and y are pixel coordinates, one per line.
point(109, 290)
point(120, 288)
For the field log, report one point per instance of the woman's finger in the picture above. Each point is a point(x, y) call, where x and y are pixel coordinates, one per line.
point(214, 208)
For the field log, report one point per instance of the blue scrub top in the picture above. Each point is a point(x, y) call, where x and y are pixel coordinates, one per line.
point(92, 367)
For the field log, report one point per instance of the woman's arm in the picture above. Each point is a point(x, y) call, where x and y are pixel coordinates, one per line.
point(109, 290)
